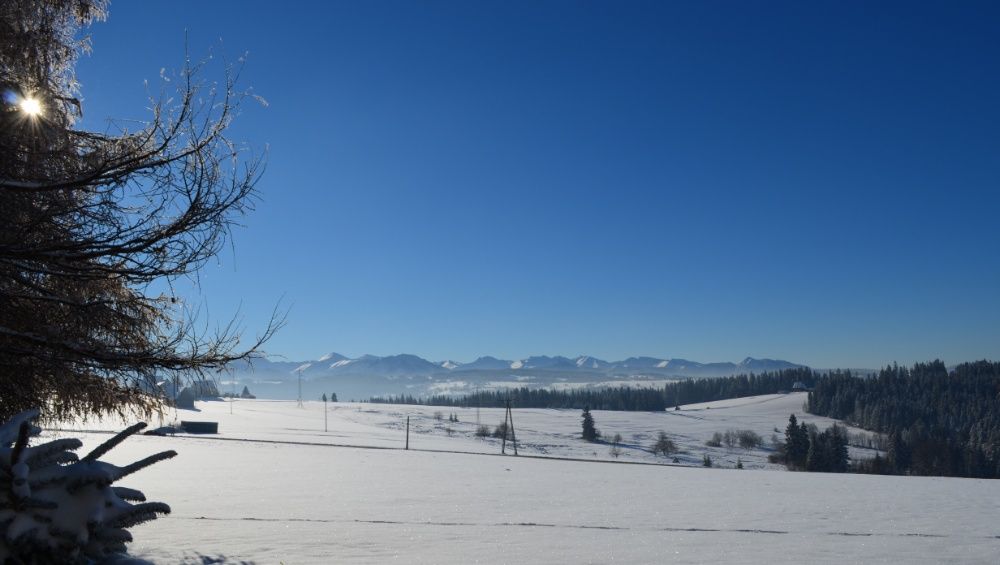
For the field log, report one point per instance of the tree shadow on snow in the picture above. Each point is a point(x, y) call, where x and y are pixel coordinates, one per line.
point(200, 559)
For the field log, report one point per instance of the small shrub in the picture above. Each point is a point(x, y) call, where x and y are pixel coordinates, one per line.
point(706, 461)
point(729, 438)
point(438, 416)
point(501, 431)
point(664, 445)
point(716, 440)
point(616, 449)
point(749, 439)
point(483, 431)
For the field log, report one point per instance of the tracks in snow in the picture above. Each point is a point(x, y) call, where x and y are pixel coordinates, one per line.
point(563, 526)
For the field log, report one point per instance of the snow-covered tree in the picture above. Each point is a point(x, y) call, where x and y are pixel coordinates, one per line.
point(58, 508)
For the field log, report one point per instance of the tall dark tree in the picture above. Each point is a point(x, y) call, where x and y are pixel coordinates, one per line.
point(589, 430)
point(796, 444)
point(90, 223)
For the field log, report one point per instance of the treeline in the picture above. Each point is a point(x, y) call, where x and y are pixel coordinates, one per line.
point(937, 422)
point(623, 398)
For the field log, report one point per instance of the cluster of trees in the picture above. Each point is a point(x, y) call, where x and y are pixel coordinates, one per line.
point(662, 446)
point(623, 398)
point(938, 422)
point(808, 449)
point(929, 420)
point(746, 439)
point(692, 391)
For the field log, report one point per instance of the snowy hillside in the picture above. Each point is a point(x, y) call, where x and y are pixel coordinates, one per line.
point(274, 487)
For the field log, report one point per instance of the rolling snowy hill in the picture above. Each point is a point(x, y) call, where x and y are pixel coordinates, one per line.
point(273, 486)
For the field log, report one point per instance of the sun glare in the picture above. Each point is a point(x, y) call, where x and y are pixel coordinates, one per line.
point(31, 106)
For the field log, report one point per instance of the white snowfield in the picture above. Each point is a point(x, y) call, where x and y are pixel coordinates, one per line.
point(273, 487)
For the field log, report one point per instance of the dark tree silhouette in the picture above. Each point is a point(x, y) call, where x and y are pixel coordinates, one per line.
point(92, 223)
point(796, 444)
point(589, 431)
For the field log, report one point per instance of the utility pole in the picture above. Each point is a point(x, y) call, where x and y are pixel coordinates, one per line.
point(300, 387)
point(407, 432)
point(508, 424)
point(478, 401)
point(177, 384)
point(513, 435)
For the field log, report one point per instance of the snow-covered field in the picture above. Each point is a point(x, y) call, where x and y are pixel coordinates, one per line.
point(273, 487)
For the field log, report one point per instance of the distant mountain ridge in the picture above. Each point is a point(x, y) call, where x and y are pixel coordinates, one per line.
point(370, 375)
point(407, 364)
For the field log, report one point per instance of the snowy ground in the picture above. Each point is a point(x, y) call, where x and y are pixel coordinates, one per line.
point(274, 487)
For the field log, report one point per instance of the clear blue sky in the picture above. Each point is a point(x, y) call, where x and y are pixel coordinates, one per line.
point(818, 182)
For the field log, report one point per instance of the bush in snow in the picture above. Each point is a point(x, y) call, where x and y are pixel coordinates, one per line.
point(58, 508)
point(501, 431)
point(716, 440)
point(664, 445)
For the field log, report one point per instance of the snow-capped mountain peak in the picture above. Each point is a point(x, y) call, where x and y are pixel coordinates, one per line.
point(588, 362)
point(332, 357)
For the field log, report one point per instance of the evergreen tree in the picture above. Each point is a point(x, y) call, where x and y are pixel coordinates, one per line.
point(899, 454)
point(814, 457)
point(590, 432)
point(838, 456)
point(796, 444)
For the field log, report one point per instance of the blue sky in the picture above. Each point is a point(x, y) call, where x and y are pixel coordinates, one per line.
point(818, 182)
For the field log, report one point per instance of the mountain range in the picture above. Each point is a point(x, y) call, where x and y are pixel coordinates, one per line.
point(371, 375)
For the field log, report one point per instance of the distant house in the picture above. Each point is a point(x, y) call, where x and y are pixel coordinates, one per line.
point(197, 390)
point(186, 399)
point(800, 386)
point(204, 389)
